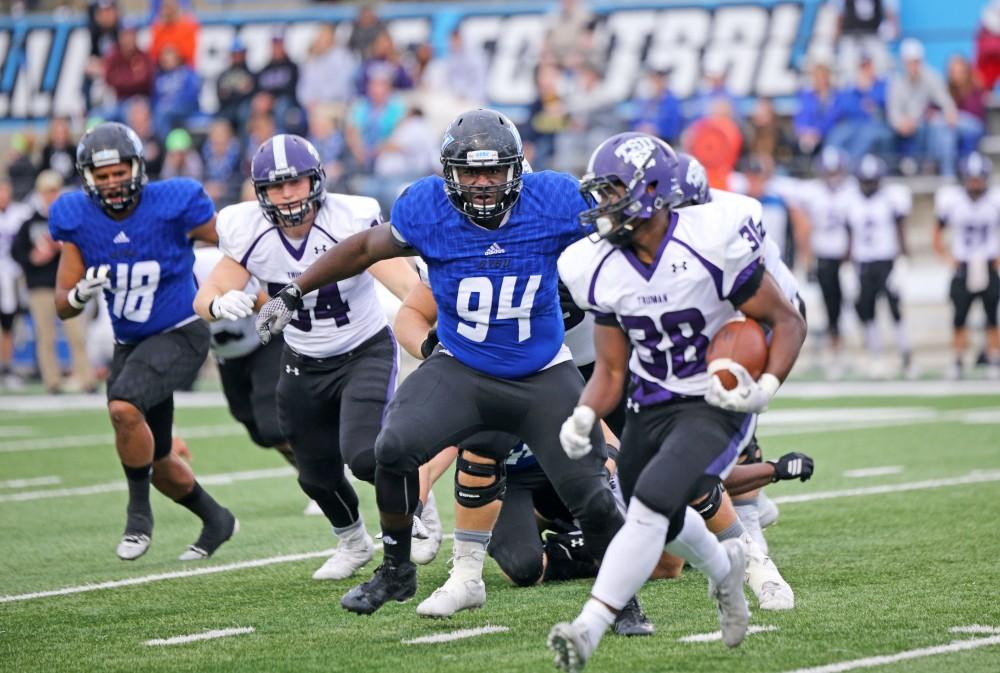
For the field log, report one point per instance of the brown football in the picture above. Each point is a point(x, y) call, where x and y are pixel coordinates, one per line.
point(740, 340)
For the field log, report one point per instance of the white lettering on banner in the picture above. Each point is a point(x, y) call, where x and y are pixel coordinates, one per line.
point(41, 70)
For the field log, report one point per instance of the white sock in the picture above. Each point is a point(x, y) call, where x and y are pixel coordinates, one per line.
point(595, 618)
point(631, 556)
point(902, 340)
point(872, 340)
point(353, 534)
point(696, 545)
point(468, 556)
point(746, 510)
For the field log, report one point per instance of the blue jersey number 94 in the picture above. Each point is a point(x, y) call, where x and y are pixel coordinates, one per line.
point(475, 306)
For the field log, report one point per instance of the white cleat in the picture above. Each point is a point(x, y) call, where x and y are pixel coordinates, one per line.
point(458, 593)
point(767, 511)
point(734, 613)
point(132, 546)
point(349, 557)
point(571, 646)
point(763, 578)
point(423, 550)
point(313, 509)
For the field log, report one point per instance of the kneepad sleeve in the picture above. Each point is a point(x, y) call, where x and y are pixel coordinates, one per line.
point(709, 507)
point(480, 496)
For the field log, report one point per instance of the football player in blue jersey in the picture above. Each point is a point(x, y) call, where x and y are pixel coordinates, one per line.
point(133, 243)
point(490, 236)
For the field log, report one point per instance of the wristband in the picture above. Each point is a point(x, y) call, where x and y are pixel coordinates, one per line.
point(74, 300)
point(769, 383)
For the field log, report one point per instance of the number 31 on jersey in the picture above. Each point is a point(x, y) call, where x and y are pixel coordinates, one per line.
point(475, 306)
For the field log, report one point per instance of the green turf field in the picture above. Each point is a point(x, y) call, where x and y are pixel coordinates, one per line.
point(884, 573)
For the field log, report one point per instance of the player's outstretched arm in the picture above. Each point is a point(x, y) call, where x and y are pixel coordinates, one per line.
point(414, 321)
point(205, 232)
point(352, 256)
point(788, 326)
point(70, 272)
point(221, 295)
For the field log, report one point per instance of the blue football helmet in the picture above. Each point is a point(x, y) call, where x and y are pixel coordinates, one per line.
point(108, 144)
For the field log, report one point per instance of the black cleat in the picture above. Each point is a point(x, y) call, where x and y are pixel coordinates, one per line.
point(390, 582)
point(632, 621)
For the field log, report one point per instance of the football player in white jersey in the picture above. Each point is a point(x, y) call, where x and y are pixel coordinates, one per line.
point(663, 281)
point(970, 212)
point(821, 199)
point(875, 214)
point(339, 363)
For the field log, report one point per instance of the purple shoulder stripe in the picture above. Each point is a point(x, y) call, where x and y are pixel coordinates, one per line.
point(593, 280)
point(243, 262)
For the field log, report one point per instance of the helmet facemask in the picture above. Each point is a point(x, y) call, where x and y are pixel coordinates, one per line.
point(467, 198)
point(129, 189)
point(293, 214)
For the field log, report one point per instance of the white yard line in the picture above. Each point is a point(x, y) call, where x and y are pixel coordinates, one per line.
point(975, 628)
point(75, 441)
point(8, 431)
point(205, 635)
point(455, 635)
point(882, 660)
point(223, 478)
point(826, 389)
point(717, 635)
point(971, 478)
point(63, 403)
point(873, 471)
point(31, 481)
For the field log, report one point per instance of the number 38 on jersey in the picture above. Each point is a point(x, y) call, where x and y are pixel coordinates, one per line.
point(479, 302)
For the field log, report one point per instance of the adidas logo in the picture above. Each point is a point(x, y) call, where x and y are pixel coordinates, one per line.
point(121, 238)
point(495, 249)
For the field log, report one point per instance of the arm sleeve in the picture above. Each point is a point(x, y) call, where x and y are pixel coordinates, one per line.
point(744, 251)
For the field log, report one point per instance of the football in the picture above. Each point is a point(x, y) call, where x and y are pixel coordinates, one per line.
point(740, 340)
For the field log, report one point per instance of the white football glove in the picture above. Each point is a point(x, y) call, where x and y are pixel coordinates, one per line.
point(94, 280)
point(749, 396)
point(575, 432)
point(275, 315)
point(233, 305)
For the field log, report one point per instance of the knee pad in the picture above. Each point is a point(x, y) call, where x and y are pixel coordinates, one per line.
point(395, 453)
point(641, 515)
point(709, 507)
point(479, 496)
point(363, 466)
point(520, 562)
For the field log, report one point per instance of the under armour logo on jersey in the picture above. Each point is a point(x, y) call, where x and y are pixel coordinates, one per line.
point(683, 266)
point(576, 542)
point(632, 405)
point(291, 370)
point(495, 249)
point(121, 238)
point(319, 249)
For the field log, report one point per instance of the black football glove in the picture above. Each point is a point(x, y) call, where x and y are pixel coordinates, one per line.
point(792, 465)
point(275, 315)
point(427, 347)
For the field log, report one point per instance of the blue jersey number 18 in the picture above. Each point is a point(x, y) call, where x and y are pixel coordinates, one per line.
point(134, 290)
point(481, 288)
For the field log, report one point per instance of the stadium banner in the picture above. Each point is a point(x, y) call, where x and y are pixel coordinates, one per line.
point(762, 44)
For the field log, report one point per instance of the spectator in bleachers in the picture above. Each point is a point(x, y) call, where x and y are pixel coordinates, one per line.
point(783, 220)
point(865, 28)
point(988, 45)
point(128, 71)
point(815, 114)
point(712, 88)
point(384, 58)
point(12, 216)
point(59, 153)
point(373, 118)
point(767, 135)
point(657, 110)
point(592, 119)
point(221, 157)
point(280, 79)
point(38, 256)
point(547, 117)
point(327, 74)
point(182, 159)
point(565, 30)
point(367, 26)
point(139, 117)
point(922, 114)
point(259, 128)
point(235, 86)
point(20, 163)
point(860, 126)
point(103, 21)
point(410, 153)
point(175, 92)
point(329, 142)
point(175, 28)
point(716, 141)
point(970, 99)
point(461, 73)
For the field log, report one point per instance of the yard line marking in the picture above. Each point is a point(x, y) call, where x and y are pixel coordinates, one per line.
point(971, 478)
point(16, 430)
point(82, 402)
point(224, 478)
point(873, 471)
point(828, 389)
point(31, 481)
point(882, 660)
point(177, 574)
point(455, 635)
point(717, 635)
point(975, 628)
point(206, 635)
point(76, 441)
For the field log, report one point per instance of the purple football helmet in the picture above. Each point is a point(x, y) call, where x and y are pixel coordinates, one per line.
point(870, 171)
point(693, 181)
point(282, 158)
point(975, 170)
point(630, 176)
